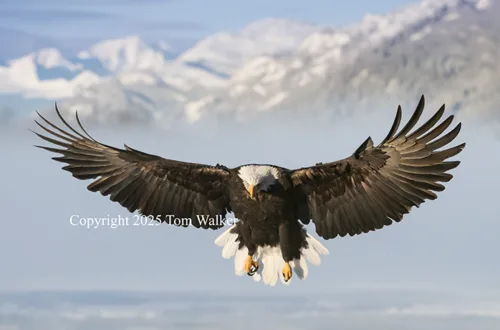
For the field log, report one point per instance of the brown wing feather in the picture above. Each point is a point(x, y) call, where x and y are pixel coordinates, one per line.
point(150, 184)
point(378, 185)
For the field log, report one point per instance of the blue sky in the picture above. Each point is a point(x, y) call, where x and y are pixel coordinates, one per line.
point(181, 21)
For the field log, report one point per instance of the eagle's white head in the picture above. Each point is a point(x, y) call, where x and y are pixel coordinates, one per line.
point(258, 177)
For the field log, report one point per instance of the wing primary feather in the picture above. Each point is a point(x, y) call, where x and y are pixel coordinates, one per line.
point(52, 132)
point(368, 143)
point(436, 157)
point(91, 171)
point(442, 141)
point(66, 123)
point(394, 127)
point(56, 142)
point(413, 120)
point(420, 183)
point(436, 131)
point(405, 197)
point(83, 129)
point(76, 163)
point(429, 177)
point(57, 128)
point(428, 124)
point(433, 168)
point(415, 193)
point(57, 151)
point(79, 134)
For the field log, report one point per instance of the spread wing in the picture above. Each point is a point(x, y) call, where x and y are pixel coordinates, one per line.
point(152, 185)
point(378, 185)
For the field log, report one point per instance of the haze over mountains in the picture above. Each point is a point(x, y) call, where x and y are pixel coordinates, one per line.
point(446, 49)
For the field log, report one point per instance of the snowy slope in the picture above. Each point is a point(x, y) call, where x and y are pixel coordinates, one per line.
point(225, 52)
point(129, 53)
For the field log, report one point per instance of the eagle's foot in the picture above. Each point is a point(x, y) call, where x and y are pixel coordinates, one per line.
point(287, 272)
point(250, 266)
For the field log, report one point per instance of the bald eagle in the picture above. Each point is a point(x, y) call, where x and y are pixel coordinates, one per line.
point(366, 191)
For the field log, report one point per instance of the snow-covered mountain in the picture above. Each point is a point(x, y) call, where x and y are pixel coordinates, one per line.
point(446, 49)
point(127, 78)
point(129, 53)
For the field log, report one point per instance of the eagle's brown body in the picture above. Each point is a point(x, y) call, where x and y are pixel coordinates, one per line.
point(270, 218)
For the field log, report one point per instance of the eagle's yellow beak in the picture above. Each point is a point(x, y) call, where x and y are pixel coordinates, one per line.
point(251, 191)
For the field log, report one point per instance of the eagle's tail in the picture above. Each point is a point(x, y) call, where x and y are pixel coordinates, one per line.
point(269, 258)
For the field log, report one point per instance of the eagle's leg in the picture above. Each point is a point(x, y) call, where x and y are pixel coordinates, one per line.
point(286, 250)
point(251, 266)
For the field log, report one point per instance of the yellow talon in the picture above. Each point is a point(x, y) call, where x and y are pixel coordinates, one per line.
point(287, 272)
point(250, 266)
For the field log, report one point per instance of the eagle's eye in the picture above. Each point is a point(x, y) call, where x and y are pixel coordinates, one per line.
point(263, 187)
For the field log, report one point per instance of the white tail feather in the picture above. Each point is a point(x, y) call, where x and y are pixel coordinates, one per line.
point(239, 260)
point(270, 258)
point(225, 237)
